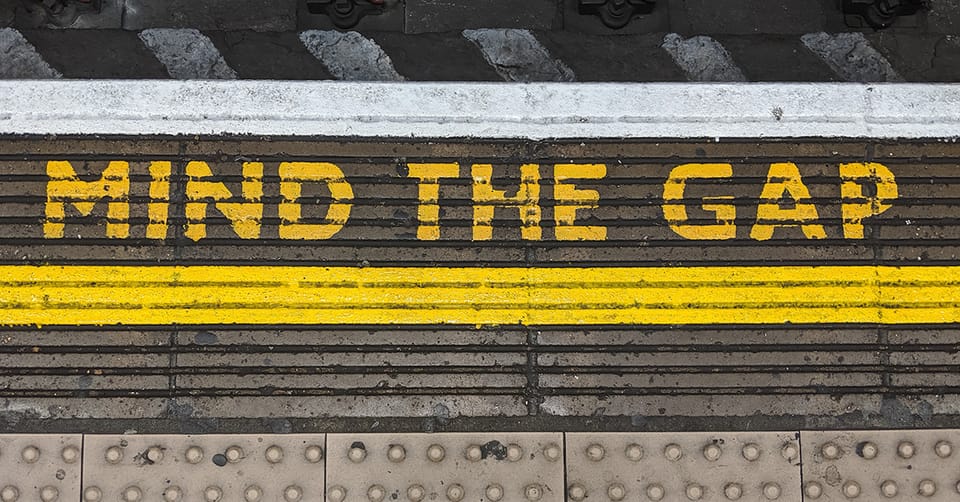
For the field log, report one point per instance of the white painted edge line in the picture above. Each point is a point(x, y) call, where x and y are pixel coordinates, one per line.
point(495, 111)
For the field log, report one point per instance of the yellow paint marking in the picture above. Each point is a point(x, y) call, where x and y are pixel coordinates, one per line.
point(161, 295)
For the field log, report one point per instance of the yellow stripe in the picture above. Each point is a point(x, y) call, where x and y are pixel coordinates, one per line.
point(92, 295)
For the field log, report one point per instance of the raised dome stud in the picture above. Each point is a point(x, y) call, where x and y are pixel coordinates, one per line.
point(616, 492)
point(455, 493)
point(234, 454)
point(672, 452)
point(771, 491)
point(533, 492)
point(514, 452)
point(172, 494)
point(376, 493)
point(656, 492)
point(943, 449)
point(552, 452)
point(436, 453)
point(851, 489)
point(869, 450)
point(30, 454)
point(396, 453)
point(889, 488)
point(416, 493)
point(927, 488)
point(252, 493)
point(113, 455)
point(733, 491)
point(751, 451)
point(595, 452)
point(830, 451)
point(212, 493)
point(813, 490)
point(473, 453)
point(292, 493)
point(694, 491)
point(313, 453)
point(356, 454)
point(494, 492)
point(274, 454)
point(9, 493)
point(906, 449)
point(154, 454)
point(577, 492)
point(712, 452)
point(790, 451)
point(49, 493)
point(194, 454)
point(92, 494)
point(337, 493)
point(70, 454)
point(132, 494)
point(633, 452)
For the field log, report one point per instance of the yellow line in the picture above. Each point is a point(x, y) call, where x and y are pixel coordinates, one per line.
point(92, 295)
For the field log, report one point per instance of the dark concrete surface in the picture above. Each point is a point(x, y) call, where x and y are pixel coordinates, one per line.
point(688, 17)
point(225, 378)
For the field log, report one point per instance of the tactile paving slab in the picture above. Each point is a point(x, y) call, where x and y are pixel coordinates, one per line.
point(445, 467)
point(40, 467)
point(759, 466)
point(881, 465)
point(209, 468)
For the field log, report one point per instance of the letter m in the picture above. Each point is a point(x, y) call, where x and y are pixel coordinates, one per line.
point(65, 187)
